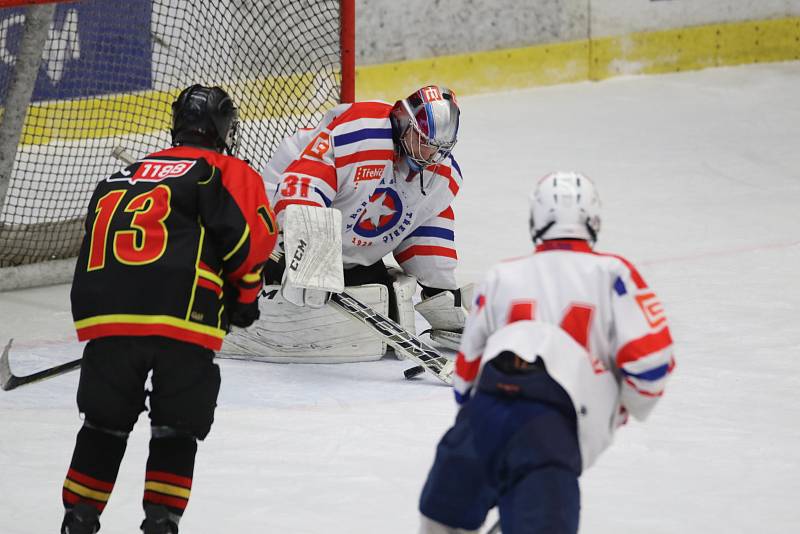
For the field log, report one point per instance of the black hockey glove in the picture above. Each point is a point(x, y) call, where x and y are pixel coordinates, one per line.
point(243, 315)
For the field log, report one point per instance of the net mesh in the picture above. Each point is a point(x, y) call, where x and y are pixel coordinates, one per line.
point(108, 74)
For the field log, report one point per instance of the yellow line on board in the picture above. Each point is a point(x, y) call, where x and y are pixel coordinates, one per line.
point(638, 53)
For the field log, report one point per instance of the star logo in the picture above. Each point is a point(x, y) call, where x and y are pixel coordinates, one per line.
point(376, 210)
point(381, 213)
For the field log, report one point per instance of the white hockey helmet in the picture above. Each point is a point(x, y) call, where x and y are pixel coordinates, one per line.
point(565, 205)
point(426, 125)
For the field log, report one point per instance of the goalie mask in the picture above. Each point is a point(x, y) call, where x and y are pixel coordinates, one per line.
point(565, 205)
point(205, 116)
point(426, 125)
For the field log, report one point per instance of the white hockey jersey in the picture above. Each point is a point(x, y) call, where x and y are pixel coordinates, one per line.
point(591, 317)
point(348, 162)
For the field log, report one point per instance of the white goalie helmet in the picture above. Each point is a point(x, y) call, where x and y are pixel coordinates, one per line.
point(565, 205)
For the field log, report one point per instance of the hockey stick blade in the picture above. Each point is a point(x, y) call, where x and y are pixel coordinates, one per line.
point(401, 341)
point(9, 381)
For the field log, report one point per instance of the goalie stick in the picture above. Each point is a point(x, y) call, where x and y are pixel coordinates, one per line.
point(408, 345)
point(9, 381)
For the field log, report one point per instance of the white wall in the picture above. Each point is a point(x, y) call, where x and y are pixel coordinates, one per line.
point(619, 17)
point(389, 30)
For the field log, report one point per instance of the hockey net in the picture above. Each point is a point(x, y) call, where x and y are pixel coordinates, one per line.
point(106, 73)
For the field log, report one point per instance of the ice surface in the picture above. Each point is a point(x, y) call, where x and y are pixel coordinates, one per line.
point(700, 177)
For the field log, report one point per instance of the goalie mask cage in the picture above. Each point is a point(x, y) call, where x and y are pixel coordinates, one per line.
point(79, 79)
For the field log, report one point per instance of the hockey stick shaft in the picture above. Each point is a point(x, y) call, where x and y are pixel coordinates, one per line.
point(9, 381)
point(393, 334)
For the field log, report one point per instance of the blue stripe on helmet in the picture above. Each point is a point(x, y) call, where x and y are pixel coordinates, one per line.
point(431, 123)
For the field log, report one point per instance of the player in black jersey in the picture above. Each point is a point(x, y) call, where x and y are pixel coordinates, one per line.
point(173, 252)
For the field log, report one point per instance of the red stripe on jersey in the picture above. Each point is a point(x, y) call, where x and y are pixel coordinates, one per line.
point(170, 478)
point(637, 278)
point(583, 246)
point(467, 370)
point(362, 110)
point(281, 204)
point(447, 214)
point(576, 245)
point(166, 500)
point(639, 348)
point(447, 172)
point(641, 391)
point(316, 169)
point(453, 186)
point(92, 483)
point(208, 284)
point(135, 329)
point(364, 155)
point(425, 250)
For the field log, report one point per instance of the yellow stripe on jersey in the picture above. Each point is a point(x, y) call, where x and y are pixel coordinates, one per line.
point(149, 319)
point(241, 242)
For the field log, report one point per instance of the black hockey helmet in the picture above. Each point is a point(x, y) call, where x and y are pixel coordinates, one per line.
point(205, 116)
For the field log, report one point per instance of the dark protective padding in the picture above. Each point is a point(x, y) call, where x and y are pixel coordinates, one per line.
point(204, 116)
point(513, 452)
point(185, 384)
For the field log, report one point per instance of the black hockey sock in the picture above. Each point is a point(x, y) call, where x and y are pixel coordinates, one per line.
point(168, 480)
point(94, 467)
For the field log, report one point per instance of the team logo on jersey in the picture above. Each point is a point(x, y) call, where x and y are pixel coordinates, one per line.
point(382, 212)
point(652, 309)
point(368, 172)
point(155, 170)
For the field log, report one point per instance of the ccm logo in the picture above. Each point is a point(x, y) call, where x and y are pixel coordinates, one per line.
point(652, 309)
point(368, 172)
point(298, 255)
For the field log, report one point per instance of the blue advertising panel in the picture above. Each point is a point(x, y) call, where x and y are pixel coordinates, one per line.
point(94, 47)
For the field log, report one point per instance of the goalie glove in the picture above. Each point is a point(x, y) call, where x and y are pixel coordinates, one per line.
point(445, 310)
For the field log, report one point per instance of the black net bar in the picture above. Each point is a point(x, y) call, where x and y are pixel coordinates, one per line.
point(110, 70)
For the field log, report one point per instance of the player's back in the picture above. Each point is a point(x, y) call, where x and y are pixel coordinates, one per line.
point(566, 283)
point(150, 263)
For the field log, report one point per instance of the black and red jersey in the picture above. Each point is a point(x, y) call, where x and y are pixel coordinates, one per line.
point(170, 241)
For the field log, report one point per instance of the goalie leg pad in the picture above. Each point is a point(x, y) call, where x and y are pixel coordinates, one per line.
point(404, 286)
point(286, 333)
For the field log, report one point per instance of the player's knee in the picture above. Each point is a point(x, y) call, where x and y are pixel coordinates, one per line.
point(106, 408)
point(122, 434)
point(546, 500)
point(190, 411)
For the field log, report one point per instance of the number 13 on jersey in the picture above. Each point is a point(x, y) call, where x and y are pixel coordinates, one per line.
point(142, 241)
